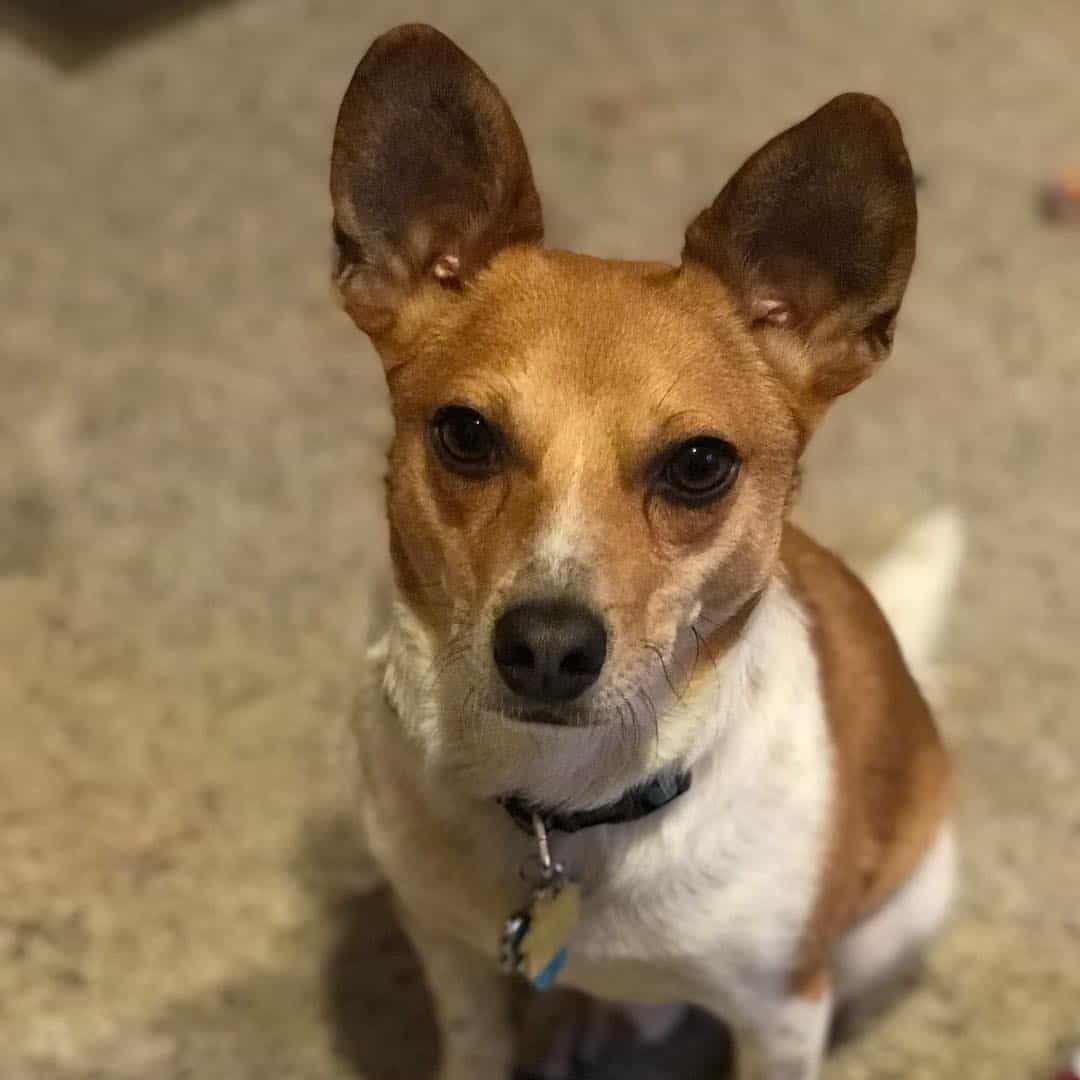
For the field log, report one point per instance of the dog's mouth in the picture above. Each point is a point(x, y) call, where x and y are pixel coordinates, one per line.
point(568, 717)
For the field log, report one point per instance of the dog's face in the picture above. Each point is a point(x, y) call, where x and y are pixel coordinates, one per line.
point(593, 460)
point(588, 459)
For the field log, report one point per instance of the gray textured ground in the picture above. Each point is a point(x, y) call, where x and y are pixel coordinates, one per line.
point(190, 440)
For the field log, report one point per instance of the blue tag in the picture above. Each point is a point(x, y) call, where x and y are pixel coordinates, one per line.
point(545, 980)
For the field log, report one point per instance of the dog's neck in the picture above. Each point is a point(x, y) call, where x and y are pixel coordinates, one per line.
point(634, 804)
point(581, 768)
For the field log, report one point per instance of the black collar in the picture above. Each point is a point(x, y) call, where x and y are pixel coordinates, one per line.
point(636, 803)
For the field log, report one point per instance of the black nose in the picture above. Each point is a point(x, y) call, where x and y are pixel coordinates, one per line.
point(549, 651)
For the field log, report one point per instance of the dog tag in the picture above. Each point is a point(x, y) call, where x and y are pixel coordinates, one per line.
point(535, 939)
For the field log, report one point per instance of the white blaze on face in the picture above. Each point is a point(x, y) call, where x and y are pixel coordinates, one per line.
point(563, 545)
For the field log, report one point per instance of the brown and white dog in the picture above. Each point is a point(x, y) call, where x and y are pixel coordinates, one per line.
point(596, 582)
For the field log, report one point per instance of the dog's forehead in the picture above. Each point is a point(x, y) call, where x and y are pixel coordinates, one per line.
point(621, 345)
point(590, 316)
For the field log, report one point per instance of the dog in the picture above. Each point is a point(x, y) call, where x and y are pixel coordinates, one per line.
point(615, 679)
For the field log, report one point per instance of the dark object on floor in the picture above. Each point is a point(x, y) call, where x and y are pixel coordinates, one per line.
point(699, 1048)
point(1061, 197)
point(75, 32)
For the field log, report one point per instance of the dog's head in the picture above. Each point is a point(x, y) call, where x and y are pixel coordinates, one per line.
point(592, 459)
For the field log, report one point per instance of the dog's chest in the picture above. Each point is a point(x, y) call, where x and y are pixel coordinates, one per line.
point(706, 900)
point(709, 895)
point(686, 906)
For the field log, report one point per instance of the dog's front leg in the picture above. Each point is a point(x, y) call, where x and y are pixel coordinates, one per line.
point(785, 1039)
point(472, 1008)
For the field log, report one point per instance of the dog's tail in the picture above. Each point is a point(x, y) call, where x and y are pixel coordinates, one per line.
point(914, 585)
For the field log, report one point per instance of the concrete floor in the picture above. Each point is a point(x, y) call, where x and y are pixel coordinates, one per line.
point(191, 437)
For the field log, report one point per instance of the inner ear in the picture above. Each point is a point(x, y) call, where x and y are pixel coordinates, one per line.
point(429, 175)
point(815, 235)
point(770, 311)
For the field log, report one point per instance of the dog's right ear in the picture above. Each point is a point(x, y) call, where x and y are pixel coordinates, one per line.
point(429, 175)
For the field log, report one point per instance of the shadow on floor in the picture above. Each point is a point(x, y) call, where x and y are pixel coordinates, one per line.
point(72, 33)
point(379, 1014)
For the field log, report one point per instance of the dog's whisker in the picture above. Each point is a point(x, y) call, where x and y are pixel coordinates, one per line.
point(692, 668)
point(630, 721)
point(650, 704)
point(456, 649)
point(704, 644)
point(634, 723)
point(624, 720)
point(708, 620)
point(622, 723)
point(653, 648)
point(439, 668)
point(471, 717)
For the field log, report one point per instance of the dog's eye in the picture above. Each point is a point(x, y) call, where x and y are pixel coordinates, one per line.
point(700, 470)
point(464, 439)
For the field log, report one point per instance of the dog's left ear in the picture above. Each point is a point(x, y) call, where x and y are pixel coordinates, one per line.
point(815, 237)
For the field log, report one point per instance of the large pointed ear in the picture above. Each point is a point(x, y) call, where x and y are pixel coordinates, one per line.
point(815, 237)
point(429, 175)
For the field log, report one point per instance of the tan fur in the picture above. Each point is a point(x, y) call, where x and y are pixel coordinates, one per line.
point(892, 775)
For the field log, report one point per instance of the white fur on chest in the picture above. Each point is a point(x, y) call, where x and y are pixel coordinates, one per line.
point(706, 899)
point(716, 892)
